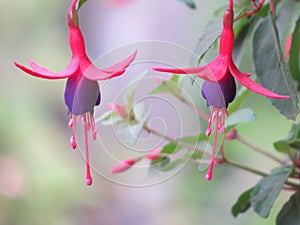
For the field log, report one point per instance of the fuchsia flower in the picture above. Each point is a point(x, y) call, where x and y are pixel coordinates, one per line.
point(82, 91)
point(219, 87)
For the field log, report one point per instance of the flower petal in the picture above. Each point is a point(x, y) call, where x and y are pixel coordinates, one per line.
point(81, 95)
point(252, 85)
point(41, 72)
point(214, 71)
point(93, 73)
point(122, 64)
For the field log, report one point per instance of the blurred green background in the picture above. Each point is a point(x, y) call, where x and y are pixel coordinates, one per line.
point(42, 179)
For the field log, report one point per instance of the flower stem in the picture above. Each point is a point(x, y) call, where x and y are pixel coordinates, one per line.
point(255, 171)
point(172, 140)
point(257, 8)
point(272, 7)
point(224, 159)
point(230, 4)
point(257, 149)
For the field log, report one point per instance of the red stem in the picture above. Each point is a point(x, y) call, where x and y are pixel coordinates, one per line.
point(272, 7)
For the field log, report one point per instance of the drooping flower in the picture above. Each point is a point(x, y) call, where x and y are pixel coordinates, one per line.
point(82, 91)
point(219, 87)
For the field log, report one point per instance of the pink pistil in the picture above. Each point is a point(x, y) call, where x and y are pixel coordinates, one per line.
point(85, 119)
point(88, 121)
point(217, 118)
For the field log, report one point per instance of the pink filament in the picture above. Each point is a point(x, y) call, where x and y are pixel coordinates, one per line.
point(85, 119)
point(218, 117)
point(88, 123)
point(72, 124)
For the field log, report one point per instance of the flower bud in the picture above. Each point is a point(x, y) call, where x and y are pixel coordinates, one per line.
point(154, 154)
point(122, 166)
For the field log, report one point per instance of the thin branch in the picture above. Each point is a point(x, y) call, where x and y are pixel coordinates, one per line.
point(257, 149)
point(222, 160)
point(252, 12)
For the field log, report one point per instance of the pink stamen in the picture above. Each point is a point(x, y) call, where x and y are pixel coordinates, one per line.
point(94, 128)
point(73, 142)
point(208, 131)
point(88, 123)
point(72, 124)
point(210, 122)
point(218, 117)
point(88, 179)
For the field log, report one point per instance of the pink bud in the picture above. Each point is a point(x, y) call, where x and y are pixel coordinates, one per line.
point(159, 80)
point(122, 166)
point(287, 48)
point(208, 131)
point(231, 135)
point(154, 154)
point(117, 108)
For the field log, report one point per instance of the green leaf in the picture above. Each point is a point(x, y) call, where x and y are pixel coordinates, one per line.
point(171, 165)
point(291, 142)
point(139, 111)
point(263, 12)
point(110, 118)
point(241, 116)
point(282, 146)
point(239, 100)
point(173, 148)
point(272, 69)
point(242, 204)
point(79, 4)
point(241, 32)
point(267, 190)
point(131, 132)
point(189, 3)
point(207, 39)
point(289, 11)
point(294, 51)
point(130, 91)
point(172, 86)
point(290, 212)
point(295, 144)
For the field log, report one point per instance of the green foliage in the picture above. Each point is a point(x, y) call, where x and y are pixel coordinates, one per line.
point(162, 163)
point(295, 45)
point(267, 190)
point(242, 204)
point(239, 100)
point(110, 118)
point(189, 3)
point(271, 68)
point(208, 38)
point(132, 130)
point(172, 86)
point(290, 212)
point(291, 144)
point(79, 4)
point(240, 116)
